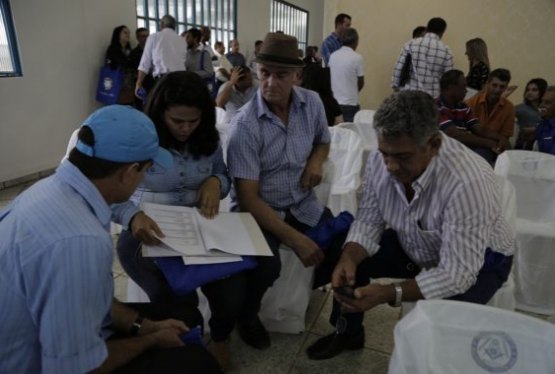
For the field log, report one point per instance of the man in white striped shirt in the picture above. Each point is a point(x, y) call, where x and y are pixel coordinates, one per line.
point(445, 231)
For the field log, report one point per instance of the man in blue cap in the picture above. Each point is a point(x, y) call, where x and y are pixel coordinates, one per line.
point(56, 283)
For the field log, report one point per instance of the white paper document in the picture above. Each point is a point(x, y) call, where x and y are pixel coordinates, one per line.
point(190, 234)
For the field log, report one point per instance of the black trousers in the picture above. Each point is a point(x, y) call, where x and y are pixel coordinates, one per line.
point(187, 359)
point(392, 262)
point(263, 276)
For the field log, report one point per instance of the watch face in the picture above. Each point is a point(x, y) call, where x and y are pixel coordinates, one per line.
point(341, 325)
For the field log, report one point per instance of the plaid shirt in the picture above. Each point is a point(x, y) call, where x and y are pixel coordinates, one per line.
point(430, 59)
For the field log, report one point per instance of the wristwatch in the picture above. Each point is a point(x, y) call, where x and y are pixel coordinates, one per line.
point(135, 327)
point(398, 295)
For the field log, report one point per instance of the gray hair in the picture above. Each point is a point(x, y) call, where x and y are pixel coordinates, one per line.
point(349, 36)
point(167, 21)
point(411, 113)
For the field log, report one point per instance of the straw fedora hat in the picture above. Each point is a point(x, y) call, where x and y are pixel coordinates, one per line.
point(280, 50)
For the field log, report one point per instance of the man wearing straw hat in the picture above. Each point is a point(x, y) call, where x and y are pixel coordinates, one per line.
point(277, 147)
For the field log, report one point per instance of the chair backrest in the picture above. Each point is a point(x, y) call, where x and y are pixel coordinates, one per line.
point(346, 155)
point(440, 336)
point(220, 115)
point(365, 131)
point(365, 116)
point(533, 176)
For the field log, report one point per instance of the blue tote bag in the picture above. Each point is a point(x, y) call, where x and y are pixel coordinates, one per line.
point(109, 85)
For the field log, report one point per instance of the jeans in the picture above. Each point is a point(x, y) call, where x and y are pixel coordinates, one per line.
point(349, 112)
point(225, 296)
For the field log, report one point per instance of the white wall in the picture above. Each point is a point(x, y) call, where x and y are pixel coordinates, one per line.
point(62, 44)
point(253, 21)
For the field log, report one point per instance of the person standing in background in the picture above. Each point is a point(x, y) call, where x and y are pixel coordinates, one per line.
point(333, 42)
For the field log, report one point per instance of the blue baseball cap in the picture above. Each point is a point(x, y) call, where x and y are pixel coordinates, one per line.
point(123, 134)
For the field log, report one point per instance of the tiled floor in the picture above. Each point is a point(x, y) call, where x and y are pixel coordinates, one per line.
point(287, 352)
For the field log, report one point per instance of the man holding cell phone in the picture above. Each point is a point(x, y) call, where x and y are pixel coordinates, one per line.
point(445, 231)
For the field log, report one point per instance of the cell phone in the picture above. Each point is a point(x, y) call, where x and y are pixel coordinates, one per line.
point(345, 291)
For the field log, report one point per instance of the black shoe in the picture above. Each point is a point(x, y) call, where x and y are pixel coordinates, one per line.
point(333, 344)
point(254, 334)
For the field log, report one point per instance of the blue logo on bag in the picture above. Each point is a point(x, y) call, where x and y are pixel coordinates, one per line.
point(494, 351)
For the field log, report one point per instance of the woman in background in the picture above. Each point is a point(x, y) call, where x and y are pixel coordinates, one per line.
point(527, 113)
point(479, 68)
point(117, 57)
point(184, 114)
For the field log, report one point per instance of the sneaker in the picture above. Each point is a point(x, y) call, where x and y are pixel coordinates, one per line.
point(254, 334)
point(221, 352)
point(333, 344)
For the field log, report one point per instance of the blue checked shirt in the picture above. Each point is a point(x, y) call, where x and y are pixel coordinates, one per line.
point(454, 216)
point(430, 59)
point(329, 45)
point(261, 148)
point(56, 282)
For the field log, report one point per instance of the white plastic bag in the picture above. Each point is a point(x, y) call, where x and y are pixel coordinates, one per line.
point(440, 336)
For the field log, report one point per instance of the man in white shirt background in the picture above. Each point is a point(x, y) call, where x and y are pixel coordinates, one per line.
point(347, 74)
point(164, 52)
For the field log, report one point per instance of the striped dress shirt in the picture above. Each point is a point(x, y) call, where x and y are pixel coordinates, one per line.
point(454, 216)
point(56, 282)
point(430, 59)
point(263, 149)
point(329, 45)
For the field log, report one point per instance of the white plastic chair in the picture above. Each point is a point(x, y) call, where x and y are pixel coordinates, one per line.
point(533, 175)
point(346, 155)
point(220, 115)
point(284, 305)
point(365, 116)
point(367, 136)
point(440, 336)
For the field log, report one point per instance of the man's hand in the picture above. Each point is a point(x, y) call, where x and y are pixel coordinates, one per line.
point(503, 144)
point(344, 272)
point(167, 338)
point(307, 250)
point(312, 175)
point(145, 229)
point(365, 298)
point(149, 327)
point(208, 197)
point(236, 74)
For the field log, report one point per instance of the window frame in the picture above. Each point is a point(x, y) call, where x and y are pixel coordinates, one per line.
point(293, 16)
point(193, 13)
point(13, 47)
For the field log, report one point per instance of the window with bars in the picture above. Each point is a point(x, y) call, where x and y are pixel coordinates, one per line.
point(219, 15)
point(10, 65)
point(290, 19)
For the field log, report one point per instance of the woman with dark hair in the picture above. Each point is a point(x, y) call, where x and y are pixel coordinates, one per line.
point(317, 78)
point(184, 114)
point(527, 113)
point(117, 57)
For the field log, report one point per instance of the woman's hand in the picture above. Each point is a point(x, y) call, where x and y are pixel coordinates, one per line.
point(208, 197)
